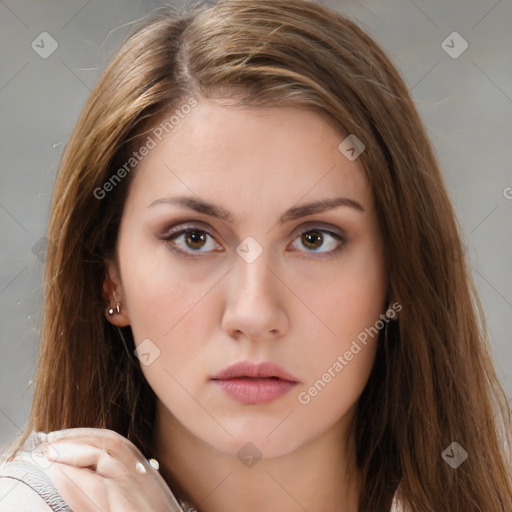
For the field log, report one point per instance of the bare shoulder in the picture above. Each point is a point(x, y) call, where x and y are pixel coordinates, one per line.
point(15, 496)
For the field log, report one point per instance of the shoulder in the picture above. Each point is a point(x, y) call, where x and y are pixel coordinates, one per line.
point(25, 486)
point(16, 496)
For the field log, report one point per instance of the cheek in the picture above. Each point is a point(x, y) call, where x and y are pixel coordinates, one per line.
point(160, 290)
point(170, 305)
point(336, 389)
point(168, 311)
point(352, 298)
point(351, 305)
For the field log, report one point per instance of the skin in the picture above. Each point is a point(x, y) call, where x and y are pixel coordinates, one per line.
point(298, 304)
point(93, 469)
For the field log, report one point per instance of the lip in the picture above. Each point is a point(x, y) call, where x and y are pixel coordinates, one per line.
point(252, 384)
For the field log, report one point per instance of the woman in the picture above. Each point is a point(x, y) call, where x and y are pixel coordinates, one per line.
point(255, 277)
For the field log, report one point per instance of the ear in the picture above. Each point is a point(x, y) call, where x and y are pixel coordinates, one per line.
point(113, 295)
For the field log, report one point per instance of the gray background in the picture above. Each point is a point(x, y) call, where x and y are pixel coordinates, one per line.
point(465, 102)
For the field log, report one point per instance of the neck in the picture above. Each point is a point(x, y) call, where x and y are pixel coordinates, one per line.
point(321, 475)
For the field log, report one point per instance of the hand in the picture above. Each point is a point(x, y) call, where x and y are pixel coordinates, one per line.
point(98, 469)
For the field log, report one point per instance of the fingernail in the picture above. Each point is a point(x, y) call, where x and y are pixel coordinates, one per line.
point(51, 453)
point(42, 436)
point(41, 450)
point(48, 451)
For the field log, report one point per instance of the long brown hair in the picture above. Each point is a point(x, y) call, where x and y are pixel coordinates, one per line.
point(433, 381)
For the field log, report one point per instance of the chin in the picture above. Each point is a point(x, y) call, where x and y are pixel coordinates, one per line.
point(259, 438)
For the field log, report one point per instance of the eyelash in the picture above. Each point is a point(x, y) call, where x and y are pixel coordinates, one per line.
point(177, 232)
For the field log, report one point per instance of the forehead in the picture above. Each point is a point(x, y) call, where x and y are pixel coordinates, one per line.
point(248, 157)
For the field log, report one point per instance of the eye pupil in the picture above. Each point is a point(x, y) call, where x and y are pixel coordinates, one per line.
point(311, 236)
point(196, 237)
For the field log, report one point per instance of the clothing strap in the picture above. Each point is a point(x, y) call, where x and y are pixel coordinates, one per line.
point(37, 479)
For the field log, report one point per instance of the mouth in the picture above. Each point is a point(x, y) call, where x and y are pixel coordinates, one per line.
point(253, 384)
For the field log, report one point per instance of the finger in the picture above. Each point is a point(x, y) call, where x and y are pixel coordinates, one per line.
point(75, 479)
point(83, 490)
point(87, 456)
point(105, 439)
point(86, 491)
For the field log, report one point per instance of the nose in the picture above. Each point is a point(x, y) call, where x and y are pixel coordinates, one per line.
point(255, 301)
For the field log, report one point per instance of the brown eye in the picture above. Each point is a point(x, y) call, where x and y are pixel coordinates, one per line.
point(319, 241)
point(195, 239)
point(312, 239)
point(194, 242)
point(190, 241)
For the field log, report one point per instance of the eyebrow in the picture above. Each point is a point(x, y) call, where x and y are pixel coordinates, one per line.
point(295, 212)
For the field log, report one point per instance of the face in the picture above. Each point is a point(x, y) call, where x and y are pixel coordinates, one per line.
point(220, 261)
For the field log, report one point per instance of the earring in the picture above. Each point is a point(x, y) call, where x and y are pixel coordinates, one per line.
point(112, 311)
